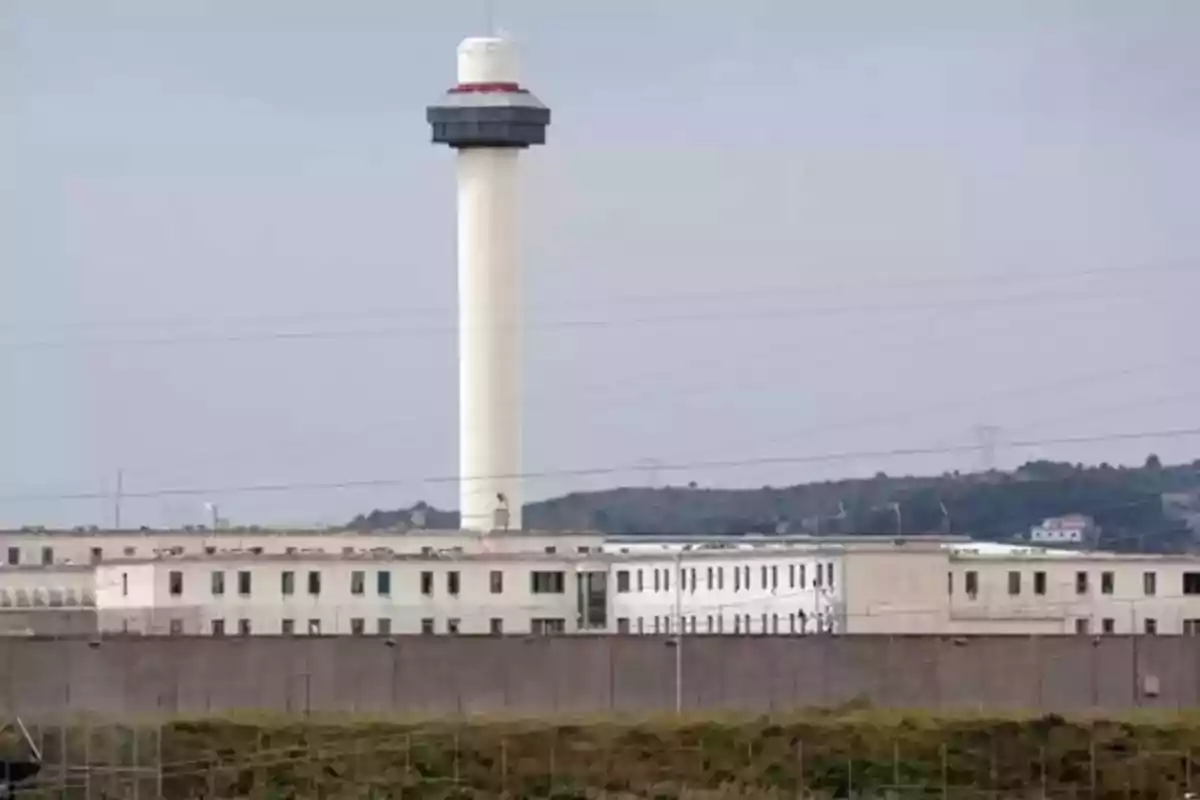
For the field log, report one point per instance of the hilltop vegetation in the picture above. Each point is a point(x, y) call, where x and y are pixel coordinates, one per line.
point(1126, 503)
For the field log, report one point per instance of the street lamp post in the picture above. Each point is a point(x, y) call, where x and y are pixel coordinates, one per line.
point(679, 632)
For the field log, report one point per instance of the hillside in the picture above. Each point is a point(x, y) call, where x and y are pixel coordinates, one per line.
point(1126, 503)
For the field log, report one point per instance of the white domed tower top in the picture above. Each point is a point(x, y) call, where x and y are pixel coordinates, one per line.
point(488, 107)
point(488, 59)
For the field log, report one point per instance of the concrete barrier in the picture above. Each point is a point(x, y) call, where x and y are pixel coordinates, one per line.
point(44, 677)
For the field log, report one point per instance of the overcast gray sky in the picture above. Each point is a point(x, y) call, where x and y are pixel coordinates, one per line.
point(791, 228)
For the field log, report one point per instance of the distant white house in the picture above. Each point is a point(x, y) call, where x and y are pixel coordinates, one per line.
point(1067, 529)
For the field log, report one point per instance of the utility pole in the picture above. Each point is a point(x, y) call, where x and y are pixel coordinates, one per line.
point(117, 499)
point(986, 434)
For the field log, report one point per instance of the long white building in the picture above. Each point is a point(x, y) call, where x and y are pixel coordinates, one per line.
point(255, 582)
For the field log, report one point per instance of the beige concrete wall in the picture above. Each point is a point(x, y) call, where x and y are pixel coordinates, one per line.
point(42, 678)
point(900, 590)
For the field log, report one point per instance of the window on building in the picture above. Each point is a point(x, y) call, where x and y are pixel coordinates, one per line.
point(746, 577)
point(791, 576)
point(1150, 626)
point(218, 627)
point(641, 627)
point(949, 583)
point(97, 555)
point(383, 626)
point(243, 627)
point(803, 577)
point(763, 578)
point(774, 623)
point(287, 627)
point(175, 583)
point(764, 623)
point(130, 552)
point(549, 582)
point(1082, 625)
point(1191, 583)
point(314, 582)
point(358, 626)
point(1108, 625)
point(244, 583)
point(666, 580)
point(314, 627)
point(427, 625)
point(453, 624)
point(47, 556)
point(1039, 583)
point(737, 579)
point(622, 581)
point(1107, 582)
point(543, 626)
point(829, 574)
point(358, 582)
point(452, 583)
point(383, 583)
point(708, 582)
point(1191, 627)
point(1081, 583)
point(496, 582)
point(496, 626)
point(1150, 583)
point(657, 587)
point(218, 584)
point(287, 582)
point(14, 556)
point(817, 575)
point(737, 623)
point(427, 584)
point(720, 579)
point(640, 582)
point(792, 623)
point(1014, 582)
point(176, 627)
point(657, 624)
point(124, 584)
point(774, 578)
point(692, 579)
point(972, 583)
point(622, 624)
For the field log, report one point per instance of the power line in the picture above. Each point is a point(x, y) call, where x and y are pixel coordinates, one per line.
point(722, 295)
point(262, 488)
point(388, 331)
point(963, 402)
point(615, 384)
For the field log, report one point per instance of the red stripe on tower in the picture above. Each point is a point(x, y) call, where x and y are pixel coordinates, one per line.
point(495, 87)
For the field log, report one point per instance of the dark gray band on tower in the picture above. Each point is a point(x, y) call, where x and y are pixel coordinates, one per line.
point(489, 119)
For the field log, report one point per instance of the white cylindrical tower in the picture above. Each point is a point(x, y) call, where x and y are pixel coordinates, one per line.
point(488, 118)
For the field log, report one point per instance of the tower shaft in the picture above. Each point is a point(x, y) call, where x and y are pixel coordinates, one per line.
point(489, 119)
point(489, 343)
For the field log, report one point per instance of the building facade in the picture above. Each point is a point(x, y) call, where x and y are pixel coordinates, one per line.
point(448, 583)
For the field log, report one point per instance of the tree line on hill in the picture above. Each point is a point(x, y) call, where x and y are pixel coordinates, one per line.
point(1147, 508)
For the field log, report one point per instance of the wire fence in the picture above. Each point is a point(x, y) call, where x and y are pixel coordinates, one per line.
point(327, 759)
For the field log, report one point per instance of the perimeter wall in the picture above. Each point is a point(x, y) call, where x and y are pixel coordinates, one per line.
point(42, 678)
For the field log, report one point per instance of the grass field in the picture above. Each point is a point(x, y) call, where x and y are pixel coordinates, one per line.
point(818, 754)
